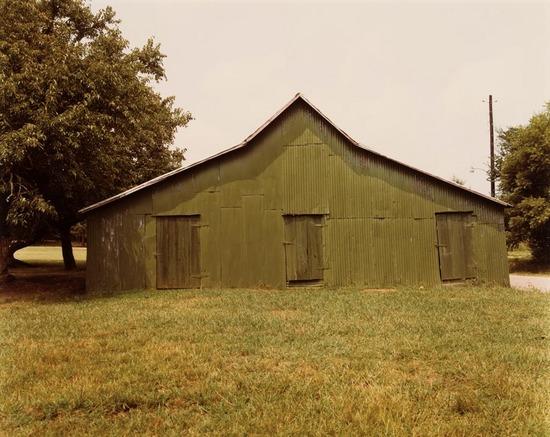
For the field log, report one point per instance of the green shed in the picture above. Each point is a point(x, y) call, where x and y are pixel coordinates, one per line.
point(298, 202)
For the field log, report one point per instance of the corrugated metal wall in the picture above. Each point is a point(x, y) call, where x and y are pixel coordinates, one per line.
point(379, 224)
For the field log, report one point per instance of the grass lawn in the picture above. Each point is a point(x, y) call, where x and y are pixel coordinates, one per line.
point(49, 255)
point(449, 361)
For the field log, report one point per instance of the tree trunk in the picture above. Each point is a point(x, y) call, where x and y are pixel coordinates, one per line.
point(5, 240)
point(67, 249)
point(4, 258)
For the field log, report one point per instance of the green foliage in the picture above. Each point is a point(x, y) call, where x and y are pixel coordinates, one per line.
point(523, 168)
point(79, 120)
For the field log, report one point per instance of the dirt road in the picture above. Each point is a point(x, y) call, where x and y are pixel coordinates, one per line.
point(541, 283)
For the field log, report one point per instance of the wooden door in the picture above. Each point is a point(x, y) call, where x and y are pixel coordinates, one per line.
point(178, 252)
point(304, 248)
point(454, 242)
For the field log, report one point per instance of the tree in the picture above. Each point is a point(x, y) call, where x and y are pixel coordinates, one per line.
point(523, 170)
point(79, 119)
point(23, 217)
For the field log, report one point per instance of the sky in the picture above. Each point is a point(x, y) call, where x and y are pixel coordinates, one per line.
point(409, 80)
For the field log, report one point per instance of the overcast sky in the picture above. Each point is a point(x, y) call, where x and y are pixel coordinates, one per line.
point(406, 79)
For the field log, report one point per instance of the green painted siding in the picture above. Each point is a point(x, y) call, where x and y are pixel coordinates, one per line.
point(379, 224)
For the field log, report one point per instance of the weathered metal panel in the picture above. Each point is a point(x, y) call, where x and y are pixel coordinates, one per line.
point(131, 251)
point(178, 252)
point(117, 253)
point(176, 196)
point(489, 243)
point(211, 235)
point(116, 248)
point(381, 252)
point(250, 245)
point(273, 275)
point(231, 247)
point(150, 248)
point(304, 183)
point(454, 237)
point(255, 257)
point(303, 247)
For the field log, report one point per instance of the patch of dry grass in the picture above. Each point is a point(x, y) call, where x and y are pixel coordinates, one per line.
point(461, 361)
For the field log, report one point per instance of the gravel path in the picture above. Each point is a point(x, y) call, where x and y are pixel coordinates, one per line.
point(541, 283)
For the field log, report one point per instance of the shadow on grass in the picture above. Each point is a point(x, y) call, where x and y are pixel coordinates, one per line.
point(529, 266)
point(43, 282)
point(520, 261)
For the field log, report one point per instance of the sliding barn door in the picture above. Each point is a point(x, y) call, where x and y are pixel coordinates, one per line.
point(178, 252)
point(454, 241)
point(304, 248)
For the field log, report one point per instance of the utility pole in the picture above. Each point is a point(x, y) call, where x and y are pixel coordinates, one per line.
point(492, 136)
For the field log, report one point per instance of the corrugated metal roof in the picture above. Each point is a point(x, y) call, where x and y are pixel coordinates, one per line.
point(254, 134)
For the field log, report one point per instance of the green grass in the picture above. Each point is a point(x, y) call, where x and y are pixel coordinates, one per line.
point(49, 255)
point(449, 361)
